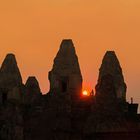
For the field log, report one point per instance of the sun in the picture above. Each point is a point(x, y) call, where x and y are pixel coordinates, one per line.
point(85, 93)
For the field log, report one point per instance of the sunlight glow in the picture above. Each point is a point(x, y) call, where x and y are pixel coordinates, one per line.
point(85, 93)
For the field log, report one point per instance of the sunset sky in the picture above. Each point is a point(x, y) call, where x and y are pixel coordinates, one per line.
point(33, 30)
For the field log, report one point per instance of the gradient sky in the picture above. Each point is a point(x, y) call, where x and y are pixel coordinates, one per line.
point(33, 30)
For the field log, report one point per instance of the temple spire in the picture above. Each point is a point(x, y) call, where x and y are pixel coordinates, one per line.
point(65, 75)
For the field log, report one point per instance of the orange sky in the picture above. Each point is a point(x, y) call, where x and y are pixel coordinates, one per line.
point(33, 30)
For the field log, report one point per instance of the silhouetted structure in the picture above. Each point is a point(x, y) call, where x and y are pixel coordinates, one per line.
point(112, 71)
point(63, 114)
point(10, 77)
point(65, 76)
point(33, 90)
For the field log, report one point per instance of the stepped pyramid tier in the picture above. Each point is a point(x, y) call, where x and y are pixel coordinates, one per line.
point(65, 76)
point(33, 89)
point(10, 76)
point(111, 77)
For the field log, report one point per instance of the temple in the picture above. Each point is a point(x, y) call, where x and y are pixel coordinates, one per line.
point(62, 113)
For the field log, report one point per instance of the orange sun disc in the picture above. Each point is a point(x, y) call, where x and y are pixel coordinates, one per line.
point(85, 93)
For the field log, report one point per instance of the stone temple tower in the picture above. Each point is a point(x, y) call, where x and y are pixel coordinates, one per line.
point(65, 76)
point(111, 77)
point(10, 76)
